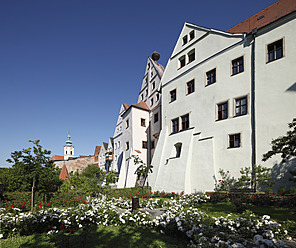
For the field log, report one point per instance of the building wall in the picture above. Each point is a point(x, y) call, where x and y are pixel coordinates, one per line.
point(205, 145)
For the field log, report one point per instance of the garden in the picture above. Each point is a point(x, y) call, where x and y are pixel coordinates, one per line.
point(196, 220)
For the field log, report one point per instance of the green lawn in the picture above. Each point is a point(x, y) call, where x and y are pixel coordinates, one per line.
point(223, 208)
point(102, 237)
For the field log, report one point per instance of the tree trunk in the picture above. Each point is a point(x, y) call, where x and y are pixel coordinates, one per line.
point(33, 195)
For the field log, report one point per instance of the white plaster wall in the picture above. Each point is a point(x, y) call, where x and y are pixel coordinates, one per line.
point(275, 97)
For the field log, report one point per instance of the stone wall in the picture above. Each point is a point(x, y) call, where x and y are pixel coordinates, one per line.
point(74, 164)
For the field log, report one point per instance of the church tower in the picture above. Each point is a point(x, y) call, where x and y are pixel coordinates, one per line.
point(68, 148)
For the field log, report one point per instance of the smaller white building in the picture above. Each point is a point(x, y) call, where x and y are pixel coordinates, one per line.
point(68, 148)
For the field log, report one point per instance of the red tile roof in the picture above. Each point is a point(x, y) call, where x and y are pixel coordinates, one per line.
point(56, 158)
point(97, 150)
point(265, 16)
point(64, 175)
point(126, 106)
point(140, 105)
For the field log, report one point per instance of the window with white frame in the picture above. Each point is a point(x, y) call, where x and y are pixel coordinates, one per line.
point(143, 122)
point(173, 95)
point(222, 111)
point(185, 40)
point(182, 61)
point(191, 35)
point(241, 106)
point(238, 65)
point(234, 140)
point(275, 50)
point(211, 76)
point(191, 56)
point(190, 87)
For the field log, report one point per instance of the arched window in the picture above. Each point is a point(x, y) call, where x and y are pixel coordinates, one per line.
point(178, 147)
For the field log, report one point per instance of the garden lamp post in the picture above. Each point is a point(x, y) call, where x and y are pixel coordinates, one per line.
point(1, 192)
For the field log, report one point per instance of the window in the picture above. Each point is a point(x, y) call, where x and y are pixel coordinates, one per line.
point(151, 73)
point(142, 97)
point(211, 76)
point(157, 97)
point(173, 95)
point(152, 144)
point(127, 123)
point(118, 144)
point(151, 102)
point(190, 87)
point(115, 146)
point(146, 93)
point(185, 122)
point(182, 61)
point(191, 35)
point(241, 106)
point(71, 152)
point(143, 122)
point(127, 145)
point(156, 117)
point(178, 147)
point(237, 65)
point(148, 65)
point(234, 140)
point(275, 50)
point(153, 85)
point(191, 56)
point(144, 144)
point(185, 40)
point(222, 111)
point(175, 125)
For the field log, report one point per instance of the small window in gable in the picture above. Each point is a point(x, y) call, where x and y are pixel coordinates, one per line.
point(151, 102)
point(146, 92)
point(182, 61)
point(191, 56)
point(191, 35)
point(178, 147)
point(153, 85)
point(127, 123)
point(185, 40)
point(157, 97)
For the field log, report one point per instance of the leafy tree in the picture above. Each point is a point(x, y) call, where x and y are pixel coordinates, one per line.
point(284, 145)
point(110, 177)
point(226, 183)
point(259, 176)
point(32, 168)
point(143, 170)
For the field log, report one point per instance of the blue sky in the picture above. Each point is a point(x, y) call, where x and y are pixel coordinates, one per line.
point(69, 64)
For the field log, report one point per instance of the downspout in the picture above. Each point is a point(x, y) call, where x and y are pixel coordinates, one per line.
point(253, 126)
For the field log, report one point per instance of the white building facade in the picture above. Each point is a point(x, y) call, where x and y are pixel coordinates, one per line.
point(225, 96)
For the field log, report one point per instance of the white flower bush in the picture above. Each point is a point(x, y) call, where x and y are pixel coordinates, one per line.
point(181, 217)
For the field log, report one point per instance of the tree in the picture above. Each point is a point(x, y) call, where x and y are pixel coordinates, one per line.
point(284, 145)
point(143, 170)
point(32, 168)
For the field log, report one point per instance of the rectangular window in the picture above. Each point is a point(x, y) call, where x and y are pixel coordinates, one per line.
point(157, 97)
point(173, 95)
point(151, 102)
point(142, 97)
point(191, 56)
point(234, 140)
point(152, 144)
point(156, 117)
point(275, 50)
point(211, 76)
point(182, 61)
point(127, 145)
point(191, 35)
point(146, 93)
point(143, 122)
point(190, 87)
point(241, 106)
point(185, 40)
point(185, 122)
point(175, 125)
point(127, 123)
point(222, 111)
point(237, 65)
point(144, 144)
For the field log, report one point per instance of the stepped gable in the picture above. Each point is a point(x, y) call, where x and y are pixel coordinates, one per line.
point(56, 158)
point(64, 175)
point(265, 16)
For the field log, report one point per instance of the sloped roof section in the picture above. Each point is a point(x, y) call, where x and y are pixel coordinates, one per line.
point(265, 16)
point(64, 175)
point(105, 145)
point(160, 68)
point(56, 158)
point(139, 105)
point(126, 106)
